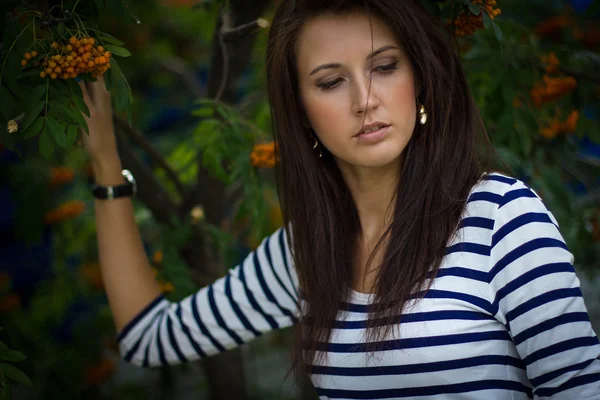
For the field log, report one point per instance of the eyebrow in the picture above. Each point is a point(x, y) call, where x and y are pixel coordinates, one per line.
point(338, 65)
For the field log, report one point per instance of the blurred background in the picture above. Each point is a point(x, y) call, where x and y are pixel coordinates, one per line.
point(194, 127)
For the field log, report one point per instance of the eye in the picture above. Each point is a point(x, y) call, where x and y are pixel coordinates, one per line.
point(388, 68)
point(329, 85)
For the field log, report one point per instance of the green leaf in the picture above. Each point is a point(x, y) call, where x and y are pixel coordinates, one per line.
point(475, 9)
point(3, 346)
point(56, 132)
point(6, 393)
point(11, 355)
point(46, 147)
point(110, 39)
point(15, 374)
point(75, 88)
point(35, 96)
point(36, 127)
point(73, 116)
point(6, 106)
point(80, 104)
point(497, 31)
point(72, 133)
point(118, 51)
point(31, 115)
point(61, 30)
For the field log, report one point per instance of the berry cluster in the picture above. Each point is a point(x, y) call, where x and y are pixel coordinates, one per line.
point(64, 212)
point(78, 56)
point(556, 127)
point(551, 63)
point(467, 23)
point(60, 176)
point(263, 155)
point(551, 88)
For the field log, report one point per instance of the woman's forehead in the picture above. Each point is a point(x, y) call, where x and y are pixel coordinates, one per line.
point(335, 38)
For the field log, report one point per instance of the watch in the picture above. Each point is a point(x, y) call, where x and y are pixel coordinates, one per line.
point(112, 192)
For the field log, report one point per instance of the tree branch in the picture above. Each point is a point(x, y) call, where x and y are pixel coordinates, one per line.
point(139, 139)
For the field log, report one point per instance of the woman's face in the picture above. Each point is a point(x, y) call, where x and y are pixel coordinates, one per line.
point(334, 56)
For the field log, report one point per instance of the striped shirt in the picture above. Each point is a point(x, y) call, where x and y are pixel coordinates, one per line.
point(504, 317)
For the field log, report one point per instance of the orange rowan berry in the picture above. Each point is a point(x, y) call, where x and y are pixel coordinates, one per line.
point(70, 70)
point(69, 58)
point(88, 47)
point(85, 57)
point(90, 64)
point(107, 54)
point(73, 75)
point(84, 41)
point(65, 76)
point(81, 50)
point(23, 63)
point(48, 70)
point(100, 48)
point(54, 45)
point(91, 41)
point(43, 74)
point(53, 75)
point(72, 40)
point(34, 53)
point(52, 64)
point(27, 56)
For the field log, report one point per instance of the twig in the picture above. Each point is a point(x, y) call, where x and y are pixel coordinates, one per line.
point(178, 66)
point(244, 29)
point(225, 18)
point(152, 152)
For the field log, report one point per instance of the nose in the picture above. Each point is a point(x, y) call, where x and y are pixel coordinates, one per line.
point(364, 99)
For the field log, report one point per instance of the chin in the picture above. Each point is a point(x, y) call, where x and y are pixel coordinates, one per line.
point(374, 159)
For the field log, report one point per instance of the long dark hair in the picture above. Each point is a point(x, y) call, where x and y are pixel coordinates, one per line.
point(441, 164)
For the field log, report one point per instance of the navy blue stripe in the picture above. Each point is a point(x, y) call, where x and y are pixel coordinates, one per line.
point(547, 377)
point(129, 355)
point(430, 294)
point(516, 194)
point(529, 276)
point(419, 317)
point(560, 347)
point(549, 324)
point(500, 178)
point(532, 245)
point(485, 196)
point(161, 351)
point(201, 325)
point(187, 333)
point(518, 222)
point(129, 326)
point(570, 384)
point(411, 343)
point(173, 341)
point(542, 299)
point(463, 273)
point(219, 318)
point(477, 222)
point(236, 309)
point(418, 368)
point(475, 248)
point(283, 248)
point(146, 362)
point(265, 288)
point(270, 260)
point(437, 390)
point(272, 323)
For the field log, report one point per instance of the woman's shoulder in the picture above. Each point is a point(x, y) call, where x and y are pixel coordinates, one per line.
point(497, 194)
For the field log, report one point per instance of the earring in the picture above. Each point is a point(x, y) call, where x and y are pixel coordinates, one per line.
point(422, 115)
point(316, 146)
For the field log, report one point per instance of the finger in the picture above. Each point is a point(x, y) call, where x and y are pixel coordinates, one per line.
point(86, 95)
point(103, 93)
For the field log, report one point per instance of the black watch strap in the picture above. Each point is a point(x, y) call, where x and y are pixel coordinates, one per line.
point(126, 189)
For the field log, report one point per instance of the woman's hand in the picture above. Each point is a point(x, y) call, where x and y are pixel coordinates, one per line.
point(101, 142)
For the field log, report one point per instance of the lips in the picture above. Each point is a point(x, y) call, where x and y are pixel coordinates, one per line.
point(372, 127)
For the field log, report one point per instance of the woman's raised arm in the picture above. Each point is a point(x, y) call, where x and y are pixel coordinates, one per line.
point(258, 295)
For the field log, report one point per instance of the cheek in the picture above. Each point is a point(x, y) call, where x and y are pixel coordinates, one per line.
point(402, 98)
point(325, 112)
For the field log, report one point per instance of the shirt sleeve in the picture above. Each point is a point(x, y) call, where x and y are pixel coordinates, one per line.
point(537, 297)
point(255, 297)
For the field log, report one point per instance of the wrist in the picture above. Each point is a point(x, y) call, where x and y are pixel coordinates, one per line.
point(107, 170)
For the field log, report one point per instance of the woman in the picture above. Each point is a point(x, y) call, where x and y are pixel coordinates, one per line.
point(414, 274)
